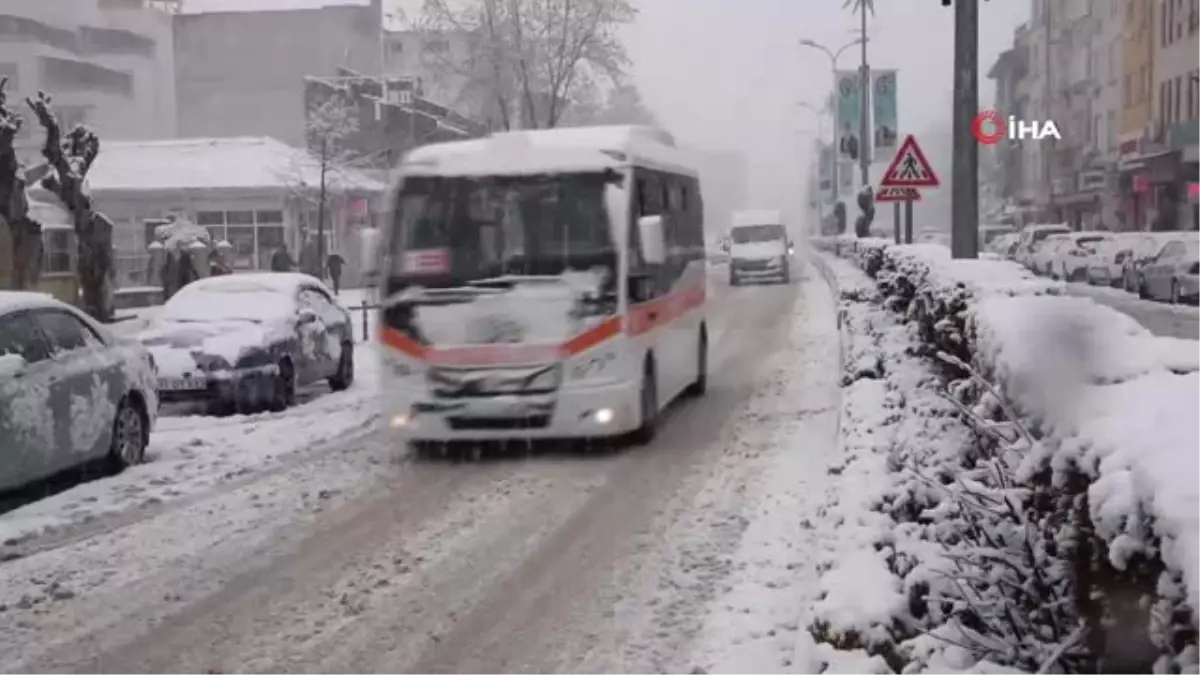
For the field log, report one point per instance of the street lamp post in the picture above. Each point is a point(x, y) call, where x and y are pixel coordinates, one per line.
point(833, 55)
point(819, 114)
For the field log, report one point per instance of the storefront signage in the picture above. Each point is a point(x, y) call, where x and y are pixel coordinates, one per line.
point(1091, 181)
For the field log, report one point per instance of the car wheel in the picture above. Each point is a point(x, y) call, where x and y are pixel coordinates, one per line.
point(648, 402)
point(697, 388)
point(344, 377)
point(284, 394)
point(1175, 298)
point(129, 436)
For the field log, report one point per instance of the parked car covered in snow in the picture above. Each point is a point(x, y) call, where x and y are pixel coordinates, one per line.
point(1072, 257)
point(1104, 266)
point(1032, 236)
point(245, 342)
point(1173, 273)
point(70, 391)
point(1145, 250)
point(1043, 253)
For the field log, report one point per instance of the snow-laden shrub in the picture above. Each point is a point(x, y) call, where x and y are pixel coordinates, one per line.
point(1061, 533)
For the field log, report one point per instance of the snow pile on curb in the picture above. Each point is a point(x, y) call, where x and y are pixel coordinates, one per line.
point(1056, 526)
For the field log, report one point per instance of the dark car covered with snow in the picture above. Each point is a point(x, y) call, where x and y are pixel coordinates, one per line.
point(246, 342)
point(70, 391)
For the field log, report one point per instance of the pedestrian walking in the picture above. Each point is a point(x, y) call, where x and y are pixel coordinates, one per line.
point(281, 260)
point(334, 265)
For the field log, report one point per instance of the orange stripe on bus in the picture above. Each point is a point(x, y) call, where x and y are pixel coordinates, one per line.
point(646, 316)
point(592, 337)
point(401, 342)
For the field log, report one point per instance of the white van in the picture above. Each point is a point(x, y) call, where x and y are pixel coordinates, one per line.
point(759, 248)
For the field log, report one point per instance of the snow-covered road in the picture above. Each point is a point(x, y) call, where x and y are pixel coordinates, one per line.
point(1162, 319)
point(694, 553)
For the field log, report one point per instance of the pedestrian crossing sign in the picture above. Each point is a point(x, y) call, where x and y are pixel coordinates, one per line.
point(909, 168)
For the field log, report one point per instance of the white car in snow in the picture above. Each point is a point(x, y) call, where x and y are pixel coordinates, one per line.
point(1072, 258)
point(70, 391)
point(1032, 237)
point(245, 342)
point(1105, 265)
point(759, 248)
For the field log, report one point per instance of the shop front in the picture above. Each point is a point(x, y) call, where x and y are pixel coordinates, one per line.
point(1169, 176)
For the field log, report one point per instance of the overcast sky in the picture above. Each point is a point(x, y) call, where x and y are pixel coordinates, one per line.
point(728, 73)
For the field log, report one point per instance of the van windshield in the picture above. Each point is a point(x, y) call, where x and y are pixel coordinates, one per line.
point(754, 233)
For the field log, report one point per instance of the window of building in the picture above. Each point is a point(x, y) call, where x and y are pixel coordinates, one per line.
point(69, 75)
point(436, 46)
point(254, 235)
point(1178, 114)
point(22, 29)
point(115, 41)
point(58, 250)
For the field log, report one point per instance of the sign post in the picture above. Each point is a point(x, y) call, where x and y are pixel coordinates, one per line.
point(908, 221)
point(909, 170)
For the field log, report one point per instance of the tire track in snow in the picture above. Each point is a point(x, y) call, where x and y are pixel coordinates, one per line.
point(555, 611)
point(107, 524)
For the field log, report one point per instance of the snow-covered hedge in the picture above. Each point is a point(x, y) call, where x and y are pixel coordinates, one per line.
point(1045, 510)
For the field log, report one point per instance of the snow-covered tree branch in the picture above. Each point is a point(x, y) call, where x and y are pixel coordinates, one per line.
point(25, 233)
point(534, 58)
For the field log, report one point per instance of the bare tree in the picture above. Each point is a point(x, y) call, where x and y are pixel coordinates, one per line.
point(624, 105)
point(25, 232)
point(329, 127)
point(69, 160)
point(534, 58)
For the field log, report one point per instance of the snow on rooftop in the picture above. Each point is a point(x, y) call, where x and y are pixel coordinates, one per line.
point(215, 6)
point(213, 163)
point(550, 151)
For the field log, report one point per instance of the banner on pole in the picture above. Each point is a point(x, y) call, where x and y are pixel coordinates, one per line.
point(884, 107)
point(825, 172)
point(849, 108)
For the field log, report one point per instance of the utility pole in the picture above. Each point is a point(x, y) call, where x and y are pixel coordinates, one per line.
point(864, 112)
point(964, 195)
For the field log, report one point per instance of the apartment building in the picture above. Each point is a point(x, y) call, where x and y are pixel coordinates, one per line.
point(1172, 170)
point(240, 65)
point(107, 63)
point(1137, 199)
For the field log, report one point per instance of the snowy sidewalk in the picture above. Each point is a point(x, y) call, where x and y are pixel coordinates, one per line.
point(190, 455)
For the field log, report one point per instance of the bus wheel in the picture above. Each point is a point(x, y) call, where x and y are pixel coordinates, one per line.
point(700, 385)
point(648, 401)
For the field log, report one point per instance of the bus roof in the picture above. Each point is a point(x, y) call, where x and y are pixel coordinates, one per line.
point(573, 149)
point(757, 217)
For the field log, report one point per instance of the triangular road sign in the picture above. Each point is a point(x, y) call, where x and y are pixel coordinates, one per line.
point(909, 168)
point(897, 194)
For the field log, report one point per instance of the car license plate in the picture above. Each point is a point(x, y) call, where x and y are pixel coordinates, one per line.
point(181, 384)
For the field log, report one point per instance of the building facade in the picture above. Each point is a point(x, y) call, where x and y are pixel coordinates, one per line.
point(1008, 72)
point(1172, 169)
point(254, 192)
point(240, 67)
point(1137, 113)
point(379, 120)
point(107, 63)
